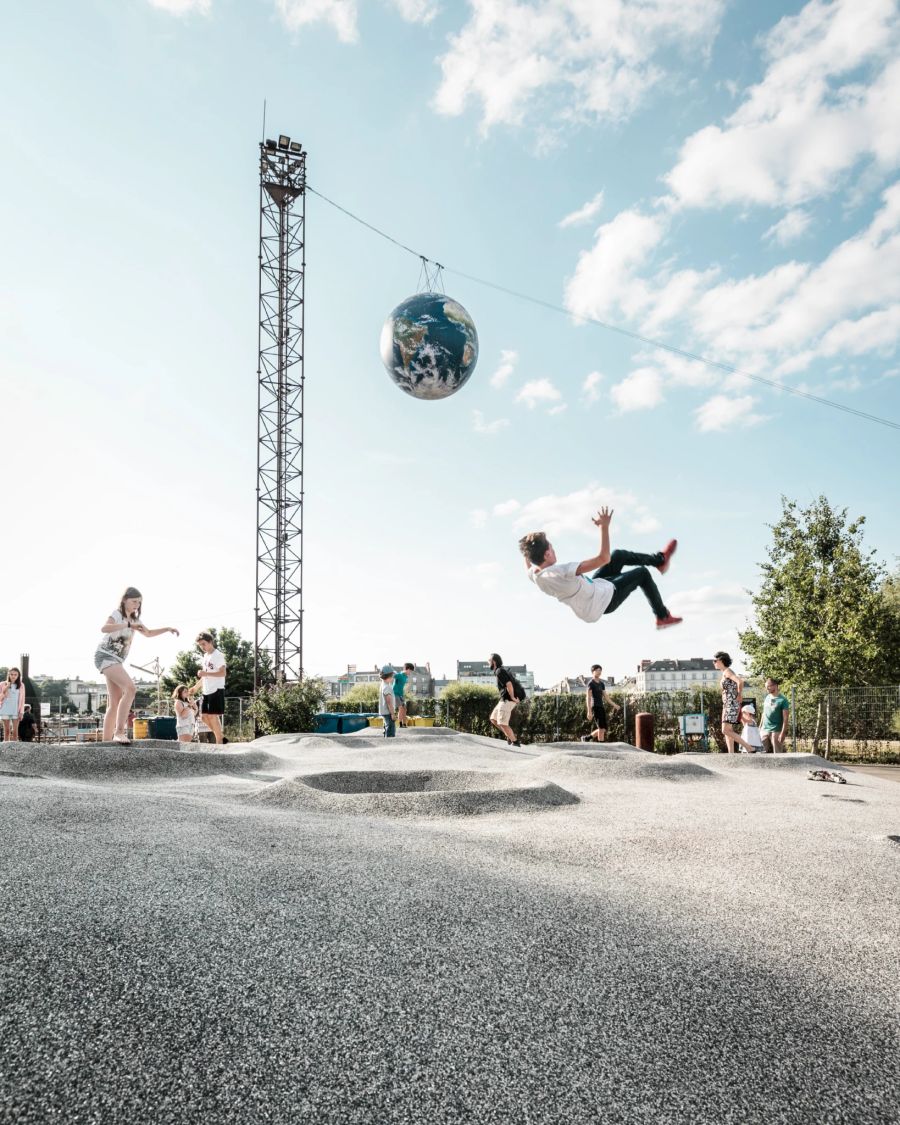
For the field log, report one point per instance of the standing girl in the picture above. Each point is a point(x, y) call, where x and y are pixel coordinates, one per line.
point(732, 690)
point(185, 714)
point(118, 633)
point(12, 704)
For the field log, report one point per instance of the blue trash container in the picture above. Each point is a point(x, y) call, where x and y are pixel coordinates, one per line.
point(164, 728)
point(328, 722)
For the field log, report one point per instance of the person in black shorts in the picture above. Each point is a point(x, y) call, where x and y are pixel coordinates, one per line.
point(212, 684)
point(597, 701)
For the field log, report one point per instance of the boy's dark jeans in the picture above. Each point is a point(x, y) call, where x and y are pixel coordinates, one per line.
point(628, 582)
point(390, 729)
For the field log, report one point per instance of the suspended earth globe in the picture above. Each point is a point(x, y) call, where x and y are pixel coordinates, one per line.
point(429, 345)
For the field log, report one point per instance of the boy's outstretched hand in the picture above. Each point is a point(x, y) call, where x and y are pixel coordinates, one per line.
point(603, 518)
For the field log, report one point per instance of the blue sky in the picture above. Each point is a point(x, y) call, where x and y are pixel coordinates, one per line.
point(723, 177)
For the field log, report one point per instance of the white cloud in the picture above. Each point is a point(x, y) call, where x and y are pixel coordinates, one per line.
point(341, 14)
point(778, 322)
point(563, 406)
point(642, 389)
point(796, 307)
point(724, 412)
point(573, 512)
point(789, 228)
point(727, 599)
point(681, 371)
point(538, 391)
point(814, 115)
point(416, 11)
point(604, 277)
point(481, 427)
point(583, 214)
point(183, 7)
point(506, 508)
point(576, 59)
point(486, 574)
point(478, 517)
point(590, 388)
point(508, 361)
point(643, 521)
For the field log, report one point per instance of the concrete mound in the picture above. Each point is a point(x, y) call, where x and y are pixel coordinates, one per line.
point(763, 761)
point(414, 793)
point(597, 765)
point(146, 758)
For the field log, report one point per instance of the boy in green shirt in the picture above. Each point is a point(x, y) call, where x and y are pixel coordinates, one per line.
point(775, 718)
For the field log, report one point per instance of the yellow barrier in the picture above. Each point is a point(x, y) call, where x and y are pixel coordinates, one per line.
point(376, 721)
point(141, 728)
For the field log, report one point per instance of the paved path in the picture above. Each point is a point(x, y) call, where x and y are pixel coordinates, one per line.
point(192, 937)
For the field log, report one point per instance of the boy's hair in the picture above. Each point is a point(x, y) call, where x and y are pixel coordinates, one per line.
point(387, 675)
point(724, 657)
point(407, 667)
point(497, 659)
point(206, 637)
point(534, 546)
point(596, 667)
point(772, 679)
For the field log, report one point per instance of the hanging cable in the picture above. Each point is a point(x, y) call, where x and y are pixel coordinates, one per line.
point(717, 365)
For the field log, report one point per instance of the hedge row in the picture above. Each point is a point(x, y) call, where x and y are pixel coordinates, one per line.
point(559, 718)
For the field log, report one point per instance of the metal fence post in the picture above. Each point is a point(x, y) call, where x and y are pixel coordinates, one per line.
point(794, 716)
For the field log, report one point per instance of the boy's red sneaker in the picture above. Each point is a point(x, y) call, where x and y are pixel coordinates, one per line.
point(668, 552)
point(666, 622)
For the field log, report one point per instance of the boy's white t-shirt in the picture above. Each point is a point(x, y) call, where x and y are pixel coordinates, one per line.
point(387, 688)
point(212, 662)
point(586, 597)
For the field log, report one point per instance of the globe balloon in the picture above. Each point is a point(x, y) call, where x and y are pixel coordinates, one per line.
point(429, 346)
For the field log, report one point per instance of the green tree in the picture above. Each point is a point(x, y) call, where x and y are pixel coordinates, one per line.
point(363, 693)
point(238, 655)
point(52, 691)
point(822, 617)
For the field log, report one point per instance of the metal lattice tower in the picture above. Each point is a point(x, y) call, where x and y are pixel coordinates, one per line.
point(279, 479)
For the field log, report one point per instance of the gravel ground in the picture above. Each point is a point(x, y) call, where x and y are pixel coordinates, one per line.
point(696, 939)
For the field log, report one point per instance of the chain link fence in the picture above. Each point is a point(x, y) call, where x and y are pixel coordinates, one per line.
point(859, 723)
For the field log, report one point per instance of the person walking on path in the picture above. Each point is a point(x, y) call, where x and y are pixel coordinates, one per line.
point(776, 710)
point(609, 584)
point(12, 704)
point(212, 685)
point(597, 699)
point(732, 696)
point(501, 716)
point(400, 680)
point(185, 714)
point(386, 703)
point(109, 659)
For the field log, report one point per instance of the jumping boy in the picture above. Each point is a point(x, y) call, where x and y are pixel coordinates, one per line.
point(605, 590)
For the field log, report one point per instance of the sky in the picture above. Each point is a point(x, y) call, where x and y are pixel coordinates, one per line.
point(720, 177)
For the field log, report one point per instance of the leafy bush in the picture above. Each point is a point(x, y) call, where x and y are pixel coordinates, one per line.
point(467, 707)
point(290, 709)
point(353, 707)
